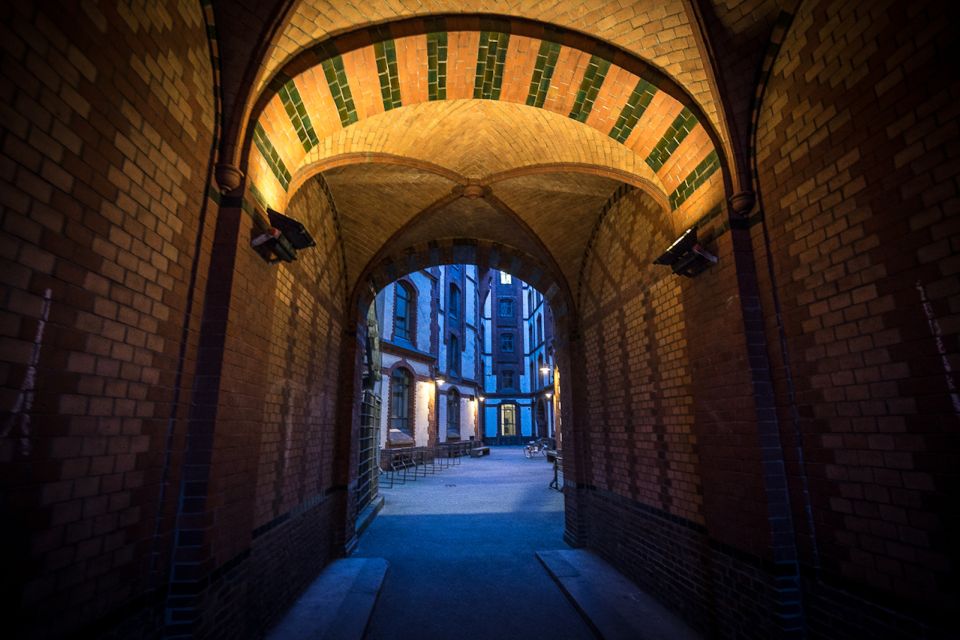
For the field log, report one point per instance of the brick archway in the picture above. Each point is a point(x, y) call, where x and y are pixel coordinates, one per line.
point(410, 77)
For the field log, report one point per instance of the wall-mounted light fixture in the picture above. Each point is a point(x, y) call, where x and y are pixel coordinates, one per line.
point(281, 239)
point(548, 395)
point(544, 369)
point(685, 256)
point(438, 377)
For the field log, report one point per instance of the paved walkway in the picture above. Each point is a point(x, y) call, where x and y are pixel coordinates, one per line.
point(461, 546)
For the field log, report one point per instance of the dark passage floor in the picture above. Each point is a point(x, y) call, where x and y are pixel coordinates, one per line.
point(461, 549)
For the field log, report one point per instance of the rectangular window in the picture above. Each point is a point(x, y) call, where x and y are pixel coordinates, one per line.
point(506, 342)
point(453, 302)
point(453, 414)
point(453, 356)
point(506, 380)
point(401, 312)
point(508, 420)
point(400, 383)
point(506, 307)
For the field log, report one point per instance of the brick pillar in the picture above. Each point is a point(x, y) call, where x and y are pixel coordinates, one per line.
point(576, 454)
point(343, 491)
point(192, 559)
point(788, 616)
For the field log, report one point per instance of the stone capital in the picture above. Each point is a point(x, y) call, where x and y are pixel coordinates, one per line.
point(742, 203)
point(228, 177)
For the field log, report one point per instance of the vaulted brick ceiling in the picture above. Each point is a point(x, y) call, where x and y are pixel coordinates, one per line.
point(374, 201)
point(385, 207)
point(660, 31)
point(551, 123)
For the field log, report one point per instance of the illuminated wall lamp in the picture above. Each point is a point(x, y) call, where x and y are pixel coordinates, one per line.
point(686, 256)
point(281, 239)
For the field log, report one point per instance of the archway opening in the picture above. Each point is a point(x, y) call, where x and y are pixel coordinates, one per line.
point(456, 358)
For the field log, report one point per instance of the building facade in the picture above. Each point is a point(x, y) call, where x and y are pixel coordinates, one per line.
point(430, 384)
point(466, 354)
point(519, 380)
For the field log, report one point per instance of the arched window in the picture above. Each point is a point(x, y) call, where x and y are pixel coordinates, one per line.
point(453, 355)
point(453, 302)
point(403, 309)
point(540, 375)
point(453, 413)
point(539, 329)
point(400, 383)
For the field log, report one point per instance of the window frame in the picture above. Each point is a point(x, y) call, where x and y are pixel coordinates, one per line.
point(404, 402)
point(502, 421)
point(453, 354)
point(454, 302)
point(409, 321)
point(453, 417)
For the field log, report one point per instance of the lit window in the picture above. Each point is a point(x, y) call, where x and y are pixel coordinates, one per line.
point(505, 278)
point(506, 342)
point(508, 420)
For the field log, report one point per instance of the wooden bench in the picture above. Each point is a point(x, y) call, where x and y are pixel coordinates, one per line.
point(482, 450)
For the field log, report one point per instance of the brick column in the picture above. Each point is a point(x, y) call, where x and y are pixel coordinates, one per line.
point(192, 557)
point(788, 615)
point(576, 455)
point(344, 530)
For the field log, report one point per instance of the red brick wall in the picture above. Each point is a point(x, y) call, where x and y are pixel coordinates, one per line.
point(639, 406)
point(857, 173)
point(108, 124)
point(674, 492)
point(262, 451)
